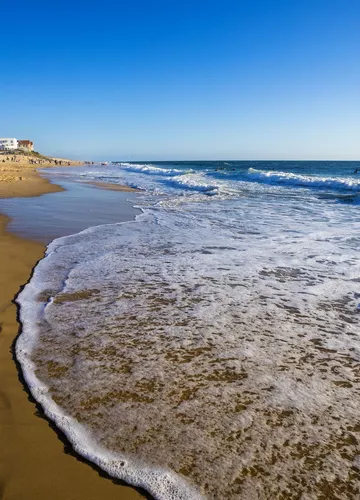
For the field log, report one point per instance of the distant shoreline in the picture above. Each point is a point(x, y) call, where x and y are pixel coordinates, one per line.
point(19, 176)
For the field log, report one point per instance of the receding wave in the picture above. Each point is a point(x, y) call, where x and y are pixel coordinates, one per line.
point(49, 288)
point(309, 181)
point(198, 355)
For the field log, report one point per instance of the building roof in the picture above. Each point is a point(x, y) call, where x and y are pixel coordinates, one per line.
point(25, 141)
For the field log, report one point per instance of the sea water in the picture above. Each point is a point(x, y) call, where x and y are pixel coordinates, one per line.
point(210, 348)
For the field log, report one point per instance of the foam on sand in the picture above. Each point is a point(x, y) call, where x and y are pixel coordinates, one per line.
point(201, 352)
point(161, 482)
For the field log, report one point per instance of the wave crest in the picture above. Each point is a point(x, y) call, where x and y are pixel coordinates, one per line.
point(150, 169)
point(309, 181)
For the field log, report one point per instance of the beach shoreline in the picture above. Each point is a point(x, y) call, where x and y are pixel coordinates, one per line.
point(245, 304)
point(35, 461)
point(113, 187)
point(19, 176)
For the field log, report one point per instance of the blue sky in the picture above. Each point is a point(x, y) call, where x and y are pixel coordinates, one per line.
point(146, 80)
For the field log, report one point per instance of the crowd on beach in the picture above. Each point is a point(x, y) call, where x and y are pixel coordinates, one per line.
point(32, 161)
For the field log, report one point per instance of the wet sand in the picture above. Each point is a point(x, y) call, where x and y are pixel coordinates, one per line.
point(113, 187)
point(27, 183)
point(20, 177)
point(76, 208)
point(35, 461)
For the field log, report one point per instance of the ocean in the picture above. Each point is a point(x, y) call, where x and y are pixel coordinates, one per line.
point(209, 348)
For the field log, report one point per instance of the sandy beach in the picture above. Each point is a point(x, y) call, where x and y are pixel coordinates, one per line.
point(19, 177)
point(35, 461)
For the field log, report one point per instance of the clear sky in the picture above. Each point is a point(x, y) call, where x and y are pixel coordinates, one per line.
point(181, 79)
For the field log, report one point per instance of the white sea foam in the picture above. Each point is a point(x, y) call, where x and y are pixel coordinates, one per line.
point(161, 482)
point(195, 182)
point(310, 181)
point(151, 169)
point(173, 179)
point(212, 349)
point(155, 179)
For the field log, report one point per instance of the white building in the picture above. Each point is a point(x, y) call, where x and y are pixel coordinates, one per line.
point(8, 143)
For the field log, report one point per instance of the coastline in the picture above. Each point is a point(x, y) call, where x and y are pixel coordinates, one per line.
point(252, 361)
point(19, 176)
point(112, 187)
point(34, 463)
point(26, 185)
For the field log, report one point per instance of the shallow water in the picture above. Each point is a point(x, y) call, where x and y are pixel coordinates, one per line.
point(211, 347)
point(80, 206)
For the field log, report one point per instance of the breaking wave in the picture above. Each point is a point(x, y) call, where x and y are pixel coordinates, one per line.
point(309, 181)
point(194, 182)
point(151, 169)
